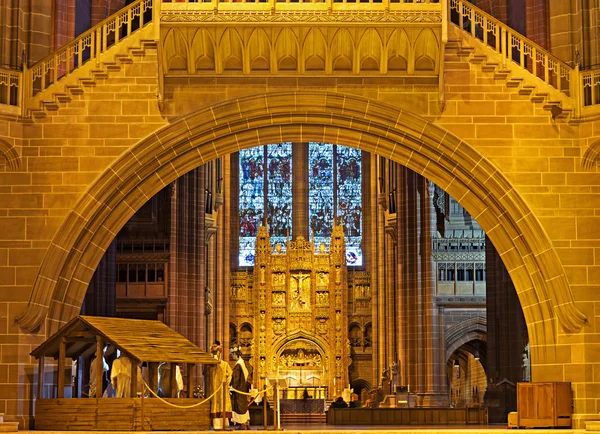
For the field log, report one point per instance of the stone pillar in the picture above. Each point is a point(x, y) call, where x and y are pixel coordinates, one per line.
point(421, 359)
point(186, 289)
point(506, 338)
point(300, 191)
point(222, 254)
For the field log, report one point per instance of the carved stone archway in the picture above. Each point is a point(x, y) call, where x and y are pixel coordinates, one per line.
point(350, 120)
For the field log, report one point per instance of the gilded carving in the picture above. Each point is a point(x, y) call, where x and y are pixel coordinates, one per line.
point(189, 16)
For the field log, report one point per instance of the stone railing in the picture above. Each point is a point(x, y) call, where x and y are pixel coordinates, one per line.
point(10, 88)
point(514, 47)
point(299, 5)
point(88, 46)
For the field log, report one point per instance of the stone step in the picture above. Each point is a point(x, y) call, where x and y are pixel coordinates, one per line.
point(501, 74)
point(9, 426)
point(489, 67)
point(303, 418)
point(514, 82)
point(539, 97)
point(478, 58)
point(50, 105)
point(111, 66)
point(124, 59)
point(526, 89)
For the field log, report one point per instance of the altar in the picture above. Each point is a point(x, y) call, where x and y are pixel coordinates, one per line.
point(296, 305)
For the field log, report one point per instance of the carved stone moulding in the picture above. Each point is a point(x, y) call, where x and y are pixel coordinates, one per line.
point(253, 17)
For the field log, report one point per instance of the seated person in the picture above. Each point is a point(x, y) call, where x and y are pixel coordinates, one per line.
point(339, 403)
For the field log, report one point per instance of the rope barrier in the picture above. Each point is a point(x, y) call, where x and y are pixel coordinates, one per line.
point(251, 394)
point(183, 406)
point(206, 399)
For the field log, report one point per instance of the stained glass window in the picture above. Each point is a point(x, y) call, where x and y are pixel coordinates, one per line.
point(335, 189)
point(251, 202)
point(320, 192)
point(349, 200)
point(339, 196)
point(279, 192)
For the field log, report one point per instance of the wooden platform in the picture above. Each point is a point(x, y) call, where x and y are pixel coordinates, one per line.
point(120, 414)
point(407, 416)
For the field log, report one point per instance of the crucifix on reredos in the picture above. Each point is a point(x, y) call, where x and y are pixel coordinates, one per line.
point(299, 303)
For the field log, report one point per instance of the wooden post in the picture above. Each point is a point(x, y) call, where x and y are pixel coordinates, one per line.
point(40, 393)
point(173, 379)
point(99, 366)
point(62, 350)
point(190, 380)
point(275, 401)
point(224, 390)
point(265, 416)
point(133, 386)
point(153, 375)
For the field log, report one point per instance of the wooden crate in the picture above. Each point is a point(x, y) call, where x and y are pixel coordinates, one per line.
point(544, 405)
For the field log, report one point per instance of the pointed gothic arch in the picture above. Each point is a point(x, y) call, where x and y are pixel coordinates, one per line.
point(370, 125)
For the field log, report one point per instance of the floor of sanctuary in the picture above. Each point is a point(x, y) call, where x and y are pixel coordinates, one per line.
point(355, 429)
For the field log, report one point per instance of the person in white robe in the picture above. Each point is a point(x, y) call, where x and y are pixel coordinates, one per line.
point(120, 377)
point(164, 380)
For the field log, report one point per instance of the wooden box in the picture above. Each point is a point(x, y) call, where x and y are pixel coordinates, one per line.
point(542, 405)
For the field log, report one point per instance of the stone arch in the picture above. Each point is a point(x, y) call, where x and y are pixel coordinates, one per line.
point(590, 157)
point(463, 332)
point(11, 154)
point(351, 120)
point(280, 343)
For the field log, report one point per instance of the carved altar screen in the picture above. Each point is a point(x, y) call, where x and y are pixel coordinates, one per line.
point(301, 305)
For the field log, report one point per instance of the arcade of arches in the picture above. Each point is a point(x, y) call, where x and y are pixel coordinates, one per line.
point(341, 210)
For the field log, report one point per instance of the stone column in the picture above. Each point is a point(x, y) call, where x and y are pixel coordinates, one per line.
point(300, 191)
point(420, 350)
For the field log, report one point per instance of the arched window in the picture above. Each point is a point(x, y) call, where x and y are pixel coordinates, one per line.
point(335, 191)
point(261, 189)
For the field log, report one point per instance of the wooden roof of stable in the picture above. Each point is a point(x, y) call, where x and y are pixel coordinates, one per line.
point(146, 341)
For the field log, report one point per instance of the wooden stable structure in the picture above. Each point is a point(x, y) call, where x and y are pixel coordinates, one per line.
point(141, 341)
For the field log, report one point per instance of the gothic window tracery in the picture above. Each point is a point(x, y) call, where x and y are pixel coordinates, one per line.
point(335, 191)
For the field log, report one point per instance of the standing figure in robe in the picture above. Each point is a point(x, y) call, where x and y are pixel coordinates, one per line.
point(164, 380)
point(241, 380)
point(93, 374)
point(120, 377)
point(219, 374)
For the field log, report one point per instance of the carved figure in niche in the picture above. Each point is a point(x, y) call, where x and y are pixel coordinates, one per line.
point(298, 293)
point(322, 327)
point(367, 291)
point(317, 360)
point(262, 275)
point(358, 291)
point(278, 298)
point(278, 279)
point(321, 278)
point(338, 273)
point(279, 326)
point(322, 248)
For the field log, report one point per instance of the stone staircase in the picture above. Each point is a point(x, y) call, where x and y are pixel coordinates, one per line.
point(92, 76)
point(302, 418)
point(462, 47)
